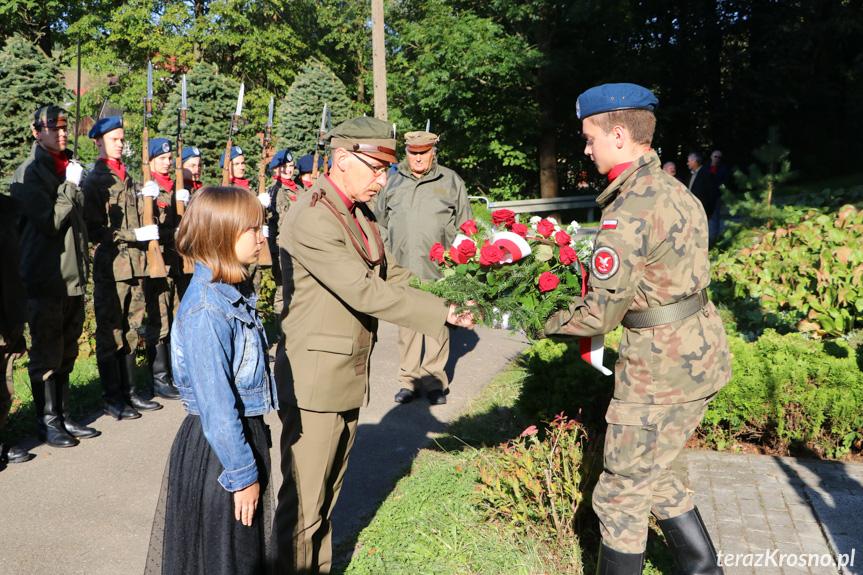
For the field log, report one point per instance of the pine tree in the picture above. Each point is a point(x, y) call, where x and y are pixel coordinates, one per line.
point(30, 80)
point(299, 114)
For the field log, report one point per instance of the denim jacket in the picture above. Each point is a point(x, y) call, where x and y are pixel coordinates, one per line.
point(219, 357)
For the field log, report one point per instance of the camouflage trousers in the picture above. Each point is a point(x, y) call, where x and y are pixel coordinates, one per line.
point(55, 326)
point(163, 300)
point(119, 314)
point(7, 391)
point(641, 443)
point(417, 365)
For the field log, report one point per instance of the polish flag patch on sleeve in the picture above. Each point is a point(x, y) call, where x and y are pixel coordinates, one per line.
point(609, 224)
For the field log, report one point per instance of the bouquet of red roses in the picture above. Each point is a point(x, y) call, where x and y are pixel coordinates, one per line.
point(518, 274)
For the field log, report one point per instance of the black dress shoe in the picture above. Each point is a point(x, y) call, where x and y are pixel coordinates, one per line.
point(404, 396)
point(436, 397)
point(17, 455)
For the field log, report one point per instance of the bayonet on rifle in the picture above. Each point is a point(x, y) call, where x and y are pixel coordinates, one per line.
point(154, 255)
point(227, 167)
point(188, 264)
point(264, 256)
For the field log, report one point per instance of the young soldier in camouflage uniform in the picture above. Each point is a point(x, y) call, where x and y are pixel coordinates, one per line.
point(113, 215)
point(192, 169)
point(161, 293)
point(422, 203)
point(54, 265)
point(284, 193)
point(649, 271)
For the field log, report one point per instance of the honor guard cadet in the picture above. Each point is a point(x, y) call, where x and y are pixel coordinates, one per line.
point(238, 167)
point(113, 211)
point(54, 267)
point(343, 282)
point(649, 272)
point(305, 167)
point(192, 169)
point(283, 192)
point(161, 294)
point(422, 203)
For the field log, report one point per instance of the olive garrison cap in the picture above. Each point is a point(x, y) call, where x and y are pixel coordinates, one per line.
point(106, 125)
point(236, 152)
point(281, 157)
point(365, 135)
point(612, 97)
point(159, 146)
point(420, 141)
point(49, 117)
point(189, 153)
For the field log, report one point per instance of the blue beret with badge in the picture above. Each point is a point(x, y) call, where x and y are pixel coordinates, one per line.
point(105, 125)
point(236, 152)
point(189, 153)
point(280, 158)
point(306, 164)
point(613, 97)
point(159, 146)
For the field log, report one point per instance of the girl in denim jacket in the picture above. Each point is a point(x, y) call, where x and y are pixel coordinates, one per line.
point(215, 510)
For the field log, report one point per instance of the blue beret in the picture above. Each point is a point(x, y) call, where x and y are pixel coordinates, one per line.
point(281, 157)
point(159, 146)
point(235, 152)
point(192, 152)
point(105, 125)
point(305, 165)
point(611, 97)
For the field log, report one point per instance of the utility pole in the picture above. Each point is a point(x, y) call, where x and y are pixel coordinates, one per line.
point(379, 63)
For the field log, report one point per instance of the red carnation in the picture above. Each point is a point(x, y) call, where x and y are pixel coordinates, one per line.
point(436, 252)
point(469, 228)
point(519, 229)
point(545, 228)
point(547, 282)
point(503, 217)
point(567, 255)
point(489, 254)
point(562, 238)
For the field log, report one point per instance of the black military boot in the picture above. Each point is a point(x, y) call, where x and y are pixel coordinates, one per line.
point(13, 454)
point(74, 428)
point(48, 416)
point(611, 562)
point(160, 365)
point(127, 379)
point(112, 390)
point(690, 543)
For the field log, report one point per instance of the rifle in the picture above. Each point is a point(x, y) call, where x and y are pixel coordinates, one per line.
point(154, 254)
point(188, 264)
point(264, 256)
point(319, 142)
point(77, 106)
point(227, 166)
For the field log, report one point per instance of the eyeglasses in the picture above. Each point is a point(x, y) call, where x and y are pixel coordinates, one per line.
point(378, 170)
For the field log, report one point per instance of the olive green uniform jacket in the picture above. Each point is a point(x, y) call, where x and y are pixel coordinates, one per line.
point(657, 232)
point(333, 301)
point(417, 212)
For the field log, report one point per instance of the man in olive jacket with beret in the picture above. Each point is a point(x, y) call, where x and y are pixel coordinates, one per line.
point(339, 280)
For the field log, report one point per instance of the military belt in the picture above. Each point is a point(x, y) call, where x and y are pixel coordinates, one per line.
point(671, 313)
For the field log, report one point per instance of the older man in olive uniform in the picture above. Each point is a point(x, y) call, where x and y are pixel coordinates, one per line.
point(422, 203)
point(649, 271)
point(54, 267)
point(339, 280)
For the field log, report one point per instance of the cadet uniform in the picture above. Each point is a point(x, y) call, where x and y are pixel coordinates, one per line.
point(283, 192)
point(113, 213)
point(54, 267)
point(236, 152)
point(418, 210)
point(649, 271)
point(191, 186)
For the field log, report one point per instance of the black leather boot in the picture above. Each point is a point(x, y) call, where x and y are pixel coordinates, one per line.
point(48, 416)
point(112, 391)
point(690, 543)
point(74, 428)
point(127, 379)
point(611, 562)
point(160, 365)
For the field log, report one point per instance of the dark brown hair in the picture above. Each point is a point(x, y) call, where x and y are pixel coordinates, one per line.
point(640, 123)
point(211, 226)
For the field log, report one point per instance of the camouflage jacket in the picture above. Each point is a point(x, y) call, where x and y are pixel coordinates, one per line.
point(13, 298)
point(165, 213)
point(282, 199)
point(651, 251)
point(54, 256)
point(417, 212)
point(112, 210)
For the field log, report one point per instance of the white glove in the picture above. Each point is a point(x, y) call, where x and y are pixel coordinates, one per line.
point(73, 173)
point(147, 233)
point(150, 190)
point(266, 231)
point(265, 199)
point(182, 196)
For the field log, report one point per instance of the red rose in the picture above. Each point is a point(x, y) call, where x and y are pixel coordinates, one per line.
point(489, 254)
point(547, 282)
point(545, 228)
point(436, 252)
point(467, 249)
point(567, 255)
point(503, 217)
point(469, 228)
point(562, 238)
point(519, 229)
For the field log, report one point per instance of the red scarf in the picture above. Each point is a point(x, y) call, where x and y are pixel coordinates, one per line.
point(291, 185)
point(117, 166)
point(164, 180)
point(191, 186)
point(61, 161)
point(241, 182)
point(617, 170)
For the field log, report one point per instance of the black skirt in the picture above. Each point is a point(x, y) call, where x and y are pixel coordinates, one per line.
point(194, 529)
